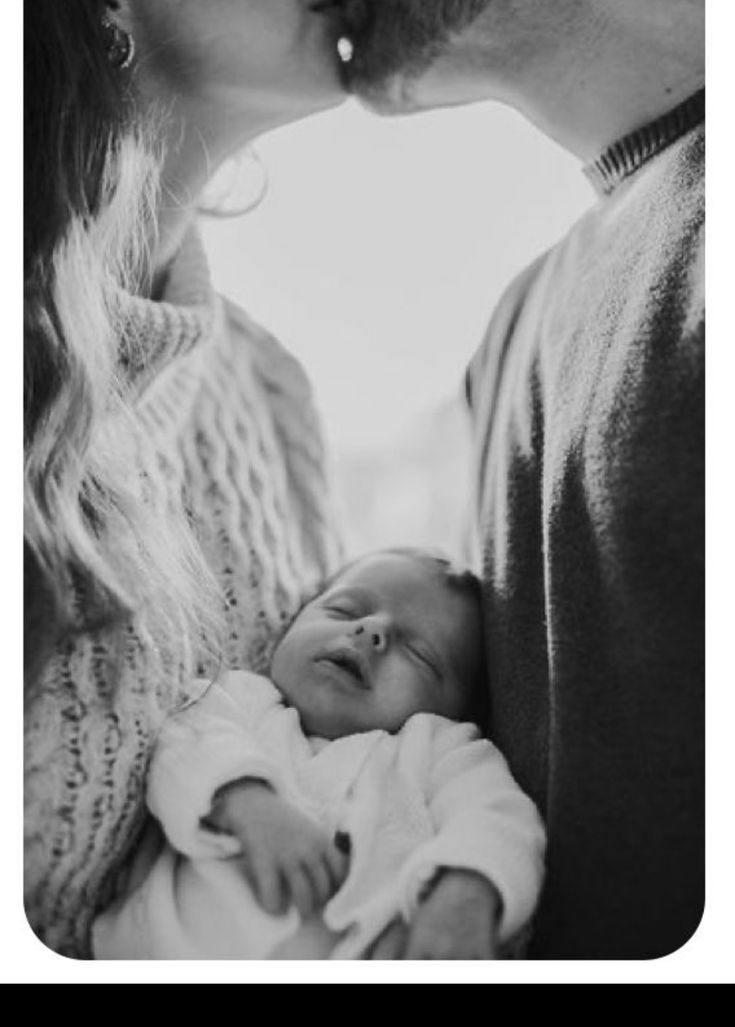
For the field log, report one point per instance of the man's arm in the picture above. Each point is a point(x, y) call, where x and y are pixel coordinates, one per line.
point(473, 887)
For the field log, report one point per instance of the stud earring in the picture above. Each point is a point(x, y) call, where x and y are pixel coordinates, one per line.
point(119, 44)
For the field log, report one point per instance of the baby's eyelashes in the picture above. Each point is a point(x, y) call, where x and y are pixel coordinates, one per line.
point(425, 659)
point(341, 610)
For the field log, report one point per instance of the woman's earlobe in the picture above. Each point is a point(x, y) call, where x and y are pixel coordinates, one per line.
point(119, 42)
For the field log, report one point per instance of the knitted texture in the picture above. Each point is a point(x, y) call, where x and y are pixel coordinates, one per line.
point(226, 426)
point(630, 153)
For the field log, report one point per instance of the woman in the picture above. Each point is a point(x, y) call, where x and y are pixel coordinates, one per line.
point(175, 495)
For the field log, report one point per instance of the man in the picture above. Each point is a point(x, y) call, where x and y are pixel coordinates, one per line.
point(587, 399)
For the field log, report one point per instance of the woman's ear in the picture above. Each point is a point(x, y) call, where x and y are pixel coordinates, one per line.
point(117, 31)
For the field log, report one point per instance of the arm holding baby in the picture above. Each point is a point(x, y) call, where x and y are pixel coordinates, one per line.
point(472, 889)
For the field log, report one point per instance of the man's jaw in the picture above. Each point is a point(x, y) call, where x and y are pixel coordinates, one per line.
point(388, 52)
point(394, 43)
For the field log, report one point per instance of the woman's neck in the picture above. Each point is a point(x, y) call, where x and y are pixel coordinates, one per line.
point(195, 135)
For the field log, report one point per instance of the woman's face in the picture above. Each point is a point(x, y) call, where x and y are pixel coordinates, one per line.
point(274, 59)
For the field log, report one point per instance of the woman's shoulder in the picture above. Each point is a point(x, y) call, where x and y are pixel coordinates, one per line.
point(246, 341)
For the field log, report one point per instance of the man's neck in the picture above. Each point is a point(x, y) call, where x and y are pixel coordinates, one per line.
point(638, 63)
point(586, 72)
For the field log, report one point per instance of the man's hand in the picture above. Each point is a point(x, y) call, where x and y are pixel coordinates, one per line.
point(457, 920)
point(286, 859)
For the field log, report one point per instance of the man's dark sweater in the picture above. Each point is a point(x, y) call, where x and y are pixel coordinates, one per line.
point(588, 402)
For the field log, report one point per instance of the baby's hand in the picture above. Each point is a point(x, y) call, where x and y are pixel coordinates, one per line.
point(286, 858)
point(457, 920)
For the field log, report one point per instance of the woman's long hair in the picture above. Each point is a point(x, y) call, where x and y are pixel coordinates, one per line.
point(95, 549)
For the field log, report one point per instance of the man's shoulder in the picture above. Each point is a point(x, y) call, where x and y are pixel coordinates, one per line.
point(504, 320)
point(648, 238)
point(686, 166)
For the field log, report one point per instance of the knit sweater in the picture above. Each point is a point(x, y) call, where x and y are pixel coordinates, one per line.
point(588, 397)
point(230, 429)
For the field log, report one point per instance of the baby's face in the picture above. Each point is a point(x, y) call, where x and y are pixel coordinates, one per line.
point(389, 638)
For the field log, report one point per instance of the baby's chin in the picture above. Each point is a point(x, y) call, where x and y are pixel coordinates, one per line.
point(326, 724)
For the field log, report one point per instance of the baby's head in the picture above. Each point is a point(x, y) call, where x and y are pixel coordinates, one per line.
point(392, 634)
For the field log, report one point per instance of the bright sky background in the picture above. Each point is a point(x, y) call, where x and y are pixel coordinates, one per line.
point(383, 245)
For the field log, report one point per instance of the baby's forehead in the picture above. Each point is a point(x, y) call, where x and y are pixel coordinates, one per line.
point(386, 570)
point(425, 593)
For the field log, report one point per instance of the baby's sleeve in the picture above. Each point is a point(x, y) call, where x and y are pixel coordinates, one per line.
point(206, 746)
point(484, 822)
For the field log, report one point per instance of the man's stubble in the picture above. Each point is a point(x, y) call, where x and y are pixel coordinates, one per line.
point(395, 41)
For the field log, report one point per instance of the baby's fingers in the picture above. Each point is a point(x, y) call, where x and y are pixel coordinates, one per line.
point(318, 874)
point(302, 890)
point(337, 862)
point(268, 887)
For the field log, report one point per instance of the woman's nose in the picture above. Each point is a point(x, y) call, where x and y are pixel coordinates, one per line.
point(372, 633)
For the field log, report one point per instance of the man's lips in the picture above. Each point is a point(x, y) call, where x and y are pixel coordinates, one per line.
point(349, 663)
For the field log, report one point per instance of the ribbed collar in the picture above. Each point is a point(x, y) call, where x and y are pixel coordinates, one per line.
point(156, 333)
point(630, 153)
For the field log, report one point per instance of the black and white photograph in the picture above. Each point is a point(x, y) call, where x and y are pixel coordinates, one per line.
point(364, 491)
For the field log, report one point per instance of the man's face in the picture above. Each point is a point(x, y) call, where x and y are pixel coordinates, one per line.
point(396, 41)
point(389, 638)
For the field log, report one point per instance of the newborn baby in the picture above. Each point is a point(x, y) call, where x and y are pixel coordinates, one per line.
point(347, 807)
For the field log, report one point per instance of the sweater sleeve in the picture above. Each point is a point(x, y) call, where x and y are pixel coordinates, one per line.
point(484, 822)
point(205, 747)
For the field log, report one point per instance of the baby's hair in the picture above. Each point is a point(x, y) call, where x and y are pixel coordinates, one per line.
point(459, 579)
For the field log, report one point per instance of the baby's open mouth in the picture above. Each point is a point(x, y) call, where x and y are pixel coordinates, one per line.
point(349, 663)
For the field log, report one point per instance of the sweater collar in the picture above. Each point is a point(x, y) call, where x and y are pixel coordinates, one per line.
point(629, 154)
point(158, 332)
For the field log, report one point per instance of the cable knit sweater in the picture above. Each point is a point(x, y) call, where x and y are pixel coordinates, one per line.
point(227, 415)
point(432, 795)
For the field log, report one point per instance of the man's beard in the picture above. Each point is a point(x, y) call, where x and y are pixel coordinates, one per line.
point(399, 39)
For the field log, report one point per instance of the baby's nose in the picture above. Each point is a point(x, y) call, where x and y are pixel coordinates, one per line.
point(372, 633)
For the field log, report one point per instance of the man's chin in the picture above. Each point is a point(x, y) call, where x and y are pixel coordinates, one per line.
point(394, 44)
point(391, 95)
point(391, 48)
point(385, 85)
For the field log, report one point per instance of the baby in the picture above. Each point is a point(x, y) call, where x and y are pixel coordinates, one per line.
point(346, 808)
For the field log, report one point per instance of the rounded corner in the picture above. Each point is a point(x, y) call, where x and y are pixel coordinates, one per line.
point(686, 936)
point(43, 943)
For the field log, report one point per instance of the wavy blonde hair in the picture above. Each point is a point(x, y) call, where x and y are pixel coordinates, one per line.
point(99, 549)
